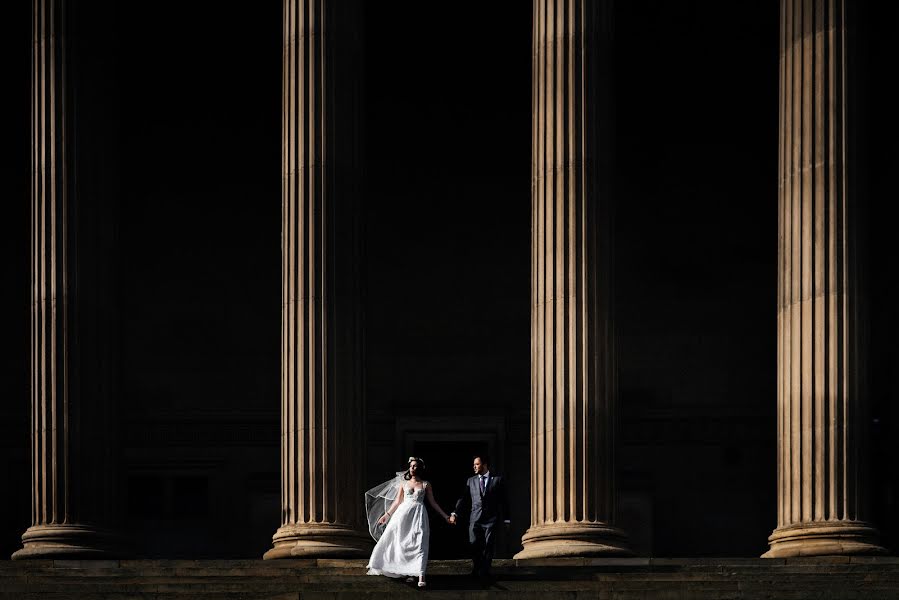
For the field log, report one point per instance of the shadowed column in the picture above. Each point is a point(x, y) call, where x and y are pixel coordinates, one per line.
point(322, 404)
point(73, 200)
point(572, 363)
point(821, 395)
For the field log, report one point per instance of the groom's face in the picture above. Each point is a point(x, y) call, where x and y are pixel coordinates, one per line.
point(479, 467)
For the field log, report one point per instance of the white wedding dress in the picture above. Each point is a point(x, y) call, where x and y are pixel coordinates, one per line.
point(402, 550)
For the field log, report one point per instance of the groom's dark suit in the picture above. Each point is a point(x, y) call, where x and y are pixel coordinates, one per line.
point(486, 508)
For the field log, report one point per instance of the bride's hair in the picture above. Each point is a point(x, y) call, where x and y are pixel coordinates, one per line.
point(422, 472)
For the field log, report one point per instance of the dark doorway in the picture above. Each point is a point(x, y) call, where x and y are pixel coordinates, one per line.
point(449, 466)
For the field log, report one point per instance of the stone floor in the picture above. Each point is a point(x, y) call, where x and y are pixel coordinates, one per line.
point(619, 579)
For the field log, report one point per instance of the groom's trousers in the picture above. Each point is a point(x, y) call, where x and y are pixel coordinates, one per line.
point(483, 541)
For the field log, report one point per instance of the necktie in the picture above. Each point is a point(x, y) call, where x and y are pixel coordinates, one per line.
point(482, 484)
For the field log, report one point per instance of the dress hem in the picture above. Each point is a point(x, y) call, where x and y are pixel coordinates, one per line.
point(395, 575)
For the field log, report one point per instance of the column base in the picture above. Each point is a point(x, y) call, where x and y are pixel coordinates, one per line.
point(68, 542)
point(824, 538)
point(319, 540)
point(561, 540)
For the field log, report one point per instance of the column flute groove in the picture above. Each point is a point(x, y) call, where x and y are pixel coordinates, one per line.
point(321, 386)
point(821, 396)
point(572, 364)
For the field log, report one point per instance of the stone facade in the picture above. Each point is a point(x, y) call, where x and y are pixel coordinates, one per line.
point(822, 402)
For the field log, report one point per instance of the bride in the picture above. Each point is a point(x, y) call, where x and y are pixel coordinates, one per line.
point(401, 529)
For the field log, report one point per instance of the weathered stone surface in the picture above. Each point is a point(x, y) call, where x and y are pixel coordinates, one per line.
point(321, 369)
point(73, 425)
point(572, 362)
point(646, 579)
point(821, 395)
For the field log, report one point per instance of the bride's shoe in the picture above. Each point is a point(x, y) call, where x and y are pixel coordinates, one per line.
point(410, 580)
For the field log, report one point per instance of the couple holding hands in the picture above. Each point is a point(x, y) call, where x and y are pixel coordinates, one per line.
point(398, 519)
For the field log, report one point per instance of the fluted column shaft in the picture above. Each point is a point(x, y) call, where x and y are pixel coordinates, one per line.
point(820, 348)
point(572, 362)
point(72, 417)
point(322, 411)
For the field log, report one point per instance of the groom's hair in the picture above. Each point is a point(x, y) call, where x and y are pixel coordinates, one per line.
point(485, 460)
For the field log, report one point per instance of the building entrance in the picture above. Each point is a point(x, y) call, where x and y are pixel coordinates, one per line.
point(449, 466)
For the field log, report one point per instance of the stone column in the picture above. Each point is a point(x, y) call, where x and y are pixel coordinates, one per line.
point(572, 363)
point(73, 443)
point(322, 404)
point(820, 348)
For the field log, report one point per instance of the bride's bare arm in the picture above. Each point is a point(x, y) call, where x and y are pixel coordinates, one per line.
point(392, 509)
point(430, 494)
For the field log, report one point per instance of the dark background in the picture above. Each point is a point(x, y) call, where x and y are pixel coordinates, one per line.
point(447, 168)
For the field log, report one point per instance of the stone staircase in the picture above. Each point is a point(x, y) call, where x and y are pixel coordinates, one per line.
point(862, 578)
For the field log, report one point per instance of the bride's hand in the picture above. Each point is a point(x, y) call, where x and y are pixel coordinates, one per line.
point(383, 519)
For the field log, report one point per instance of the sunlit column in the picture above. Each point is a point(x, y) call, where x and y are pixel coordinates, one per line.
point(322, 404)
point(73, 425)
point(572, 361)
point(820, 350)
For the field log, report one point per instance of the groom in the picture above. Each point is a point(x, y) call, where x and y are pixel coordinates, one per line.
point(485, 497)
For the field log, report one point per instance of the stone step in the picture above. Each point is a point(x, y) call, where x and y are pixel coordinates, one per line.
point(618, 579)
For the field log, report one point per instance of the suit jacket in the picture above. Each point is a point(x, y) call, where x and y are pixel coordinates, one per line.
point(488, 508)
